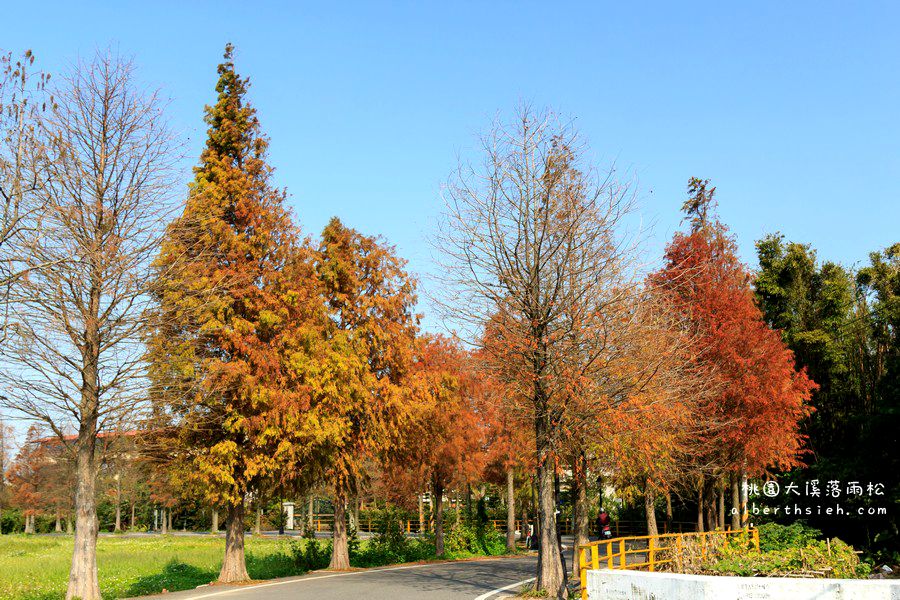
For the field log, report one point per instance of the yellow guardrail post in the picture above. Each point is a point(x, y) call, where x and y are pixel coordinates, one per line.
point(679, 550)
point(595, 557)
point(622, 562)
point(582, 572)
point(609, 555)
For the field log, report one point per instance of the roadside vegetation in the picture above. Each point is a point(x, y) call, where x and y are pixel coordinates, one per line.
point(37, 567)
point(392, 547)
point(795, 550)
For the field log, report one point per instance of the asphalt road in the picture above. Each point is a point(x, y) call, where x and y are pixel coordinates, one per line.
point(463, 580)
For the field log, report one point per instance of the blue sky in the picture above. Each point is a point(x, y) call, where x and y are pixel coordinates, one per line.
point(792, 109)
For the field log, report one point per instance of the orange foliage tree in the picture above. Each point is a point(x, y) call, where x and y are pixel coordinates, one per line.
point(369, 299)
point(507, 444)
point(27, 477)
point(442, 441)
point(239, 326)
point(42, 478)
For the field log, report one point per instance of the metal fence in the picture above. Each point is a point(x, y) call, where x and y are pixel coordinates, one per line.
point(650, 551)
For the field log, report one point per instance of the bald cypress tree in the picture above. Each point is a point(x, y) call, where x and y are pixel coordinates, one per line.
point(369, 298)
point(237, 325)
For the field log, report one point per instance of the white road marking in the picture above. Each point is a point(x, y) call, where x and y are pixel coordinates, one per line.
point(301, 580)
point(363, 572)
point(504, 588)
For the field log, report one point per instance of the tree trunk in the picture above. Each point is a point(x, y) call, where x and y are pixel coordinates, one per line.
point(234, 566)
point(551, 575)
point(340, 553)
point(83, 582)
point(650, 509)
point(312, 512)
point(510, 511)
point(29, 527)
point(421, 514)
point(700, 506)
point(559, 523)
point(525, 522)
point(301, 516)
point(669, 512)
point(215, 521)
point(580, 510)
point(169, 513)
point(735, 502)
point(437, 503)
point(131, 523)
point(745, 515)
point(69, 529)
point(710, 503)
point(58, 527)
point(165, 521)
point(118, 526)
point(721, 511)
point(257, 526)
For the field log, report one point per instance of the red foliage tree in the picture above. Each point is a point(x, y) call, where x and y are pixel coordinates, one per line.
point(442, 441)
point(754, 417)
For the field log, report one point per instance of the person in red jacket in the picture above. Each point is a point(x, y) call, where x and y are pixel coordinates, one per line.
point(603, 524)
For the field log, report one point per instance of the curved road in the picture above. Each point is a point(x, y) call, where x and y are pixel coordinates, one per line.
point(488, 579)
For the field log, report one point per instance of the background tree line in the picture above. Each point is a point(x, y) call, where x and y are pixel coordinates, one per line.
point(842, 325)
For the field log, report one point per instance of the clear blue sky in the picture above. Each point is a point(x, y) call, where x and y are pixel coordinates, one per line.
point(791, 108)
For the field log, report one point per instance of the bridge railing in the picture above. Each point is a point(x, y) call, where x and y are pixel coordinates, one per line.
point(651, 551)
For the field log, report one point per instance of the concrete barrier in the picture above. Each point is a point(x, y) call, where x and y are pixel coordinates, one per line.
point(605, 584)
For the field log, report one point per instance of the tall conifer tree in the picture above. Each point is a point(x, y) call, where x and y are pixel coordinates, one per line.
point(238, 323)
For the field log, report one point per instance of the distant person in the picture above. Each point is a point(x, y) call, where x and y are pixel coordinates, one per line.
point(603, 525)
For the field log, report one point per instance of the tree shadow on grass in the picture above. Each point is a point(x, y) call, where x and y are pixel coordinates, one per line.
point(175, 576)
point(269, 566)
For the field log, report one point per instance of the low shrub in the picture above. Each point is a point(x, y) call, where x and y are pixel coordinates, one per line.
point(310, 554)
point(817, 558)
point(773, 536)
point(786, 550)
point(390, 545)
point(463, 539)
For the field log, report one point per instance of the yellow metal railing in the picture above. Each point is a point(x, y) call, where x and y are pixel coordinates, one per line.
point(667, 545)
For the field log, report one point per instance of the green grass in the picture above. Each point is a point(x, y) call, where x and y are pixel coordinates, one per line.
point(37, 567)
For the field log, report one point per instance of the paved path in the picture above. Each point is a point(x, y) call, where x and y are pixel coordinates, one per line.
point(462, 580)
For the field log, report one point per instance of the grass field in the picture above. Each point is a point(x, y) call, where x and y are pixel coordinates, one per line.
point(37, 567)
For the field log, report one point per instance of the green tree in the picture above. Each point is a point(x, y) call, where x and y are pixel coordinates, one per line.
point(813, 306)
point(843, 328)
